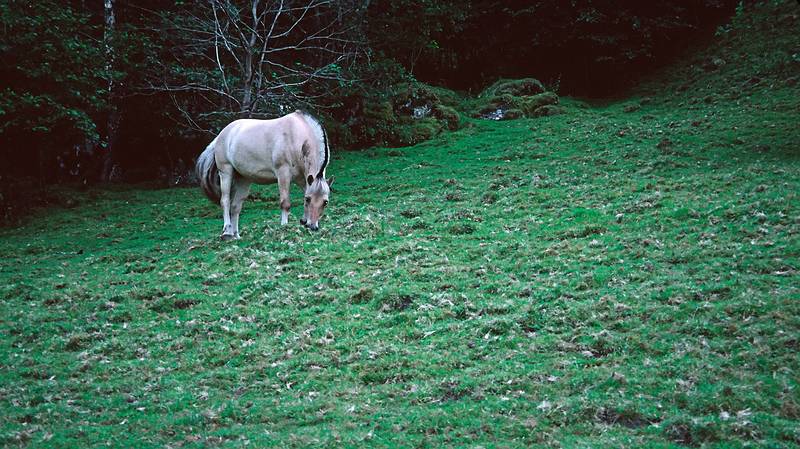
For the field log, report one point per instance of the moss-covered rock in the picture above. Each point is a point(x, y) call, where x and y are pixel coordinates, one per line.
point(430, 108)
point(447, 115)
point(511, 99)
point(530, 104)
point(491, 105)
point(516, 88)
point(503, 100)
point(400, 115)
point(512, 114)
point(548, 110)
point(446, 96)
point(408, 99)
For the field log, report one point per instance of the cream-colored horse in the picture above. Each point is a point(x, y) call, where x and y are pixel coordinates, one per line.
point(291, 148)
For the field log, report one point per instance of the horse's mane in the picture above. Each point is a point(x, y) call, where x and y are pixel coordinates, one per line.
point(322, 138)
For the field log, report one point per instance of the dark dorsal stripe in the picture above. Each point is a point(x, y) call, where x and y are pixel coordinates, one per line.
point(321, 174)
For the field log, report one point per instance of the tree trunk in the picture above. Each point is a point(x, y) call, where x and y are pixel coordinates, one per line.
point(247, 86)
point(113, 119)
point(247, 98)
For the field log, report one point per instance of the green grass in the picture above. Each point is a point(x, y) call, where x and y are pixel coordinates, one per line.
point(596, 279)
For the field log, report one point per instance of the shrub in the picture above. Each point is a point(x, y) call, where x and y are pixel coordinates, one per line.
point(403, 114)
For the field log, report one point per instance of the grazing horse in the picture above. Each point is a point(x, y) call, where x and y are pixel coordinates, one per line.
point(290, 148)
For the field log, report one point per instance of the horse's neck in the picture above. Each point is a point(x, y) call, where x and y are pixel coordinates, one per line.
point(312, 162)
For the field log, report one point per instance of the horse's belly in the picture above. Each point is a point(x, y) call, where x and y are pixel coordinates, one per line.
point(253, 164)
point(258, 176)
point(264, 180)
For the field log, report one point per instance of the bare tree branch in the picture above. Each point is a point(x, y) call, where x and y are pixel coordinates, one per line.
point(255, 57)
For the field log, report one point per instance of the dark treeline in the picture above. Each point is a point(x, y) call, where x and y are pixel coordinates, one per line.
point(592, 48)
point(132, 90)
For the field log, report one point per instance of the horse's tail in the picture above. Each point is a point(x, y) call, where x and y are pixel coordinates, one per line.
point(208, 174)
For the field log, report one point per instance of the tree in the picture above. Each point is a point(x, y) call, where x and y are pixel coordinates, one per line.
point(52, 84)
point(113, 116)
point(255, 59)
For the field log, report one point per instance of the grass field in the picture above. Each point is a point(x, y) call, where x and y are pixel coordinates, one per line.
point(624, 275)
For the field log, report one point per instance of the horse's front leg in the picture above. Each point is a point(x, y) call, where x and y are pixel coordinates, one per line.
point(225, 183)
point(284, 180)
point(241, 189)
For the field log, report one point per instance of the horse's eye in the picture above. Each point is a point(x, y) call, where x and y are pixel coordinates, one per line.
point(325, 203)
point(308, 199)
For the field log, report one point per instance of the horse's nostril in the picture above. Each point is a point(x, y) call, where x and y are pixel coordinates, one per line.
point(303, 221)
point(313, 227)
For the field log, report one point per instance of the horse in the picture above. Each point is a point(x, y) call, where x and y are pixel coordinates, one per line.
point(290, 148)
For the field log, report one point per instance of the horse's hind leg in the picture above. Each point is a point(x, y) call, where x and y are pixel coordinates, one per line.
point(241, 189)
point(226, 184)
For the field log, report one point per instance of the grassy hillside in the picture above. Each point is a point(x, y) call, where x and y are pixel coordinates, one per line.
point(622, 275)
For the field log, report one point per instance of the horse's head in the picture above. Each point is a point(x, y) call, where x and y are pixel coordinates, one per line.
point(318, 191)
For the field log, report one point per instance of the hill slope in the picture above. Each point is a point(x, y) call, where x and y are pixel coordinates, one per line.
point(596, 279)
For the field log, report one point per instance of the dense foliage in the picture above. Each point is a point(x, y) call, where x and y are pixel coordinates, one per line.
point(53, 80)
point(181, 70)
point(590, 47)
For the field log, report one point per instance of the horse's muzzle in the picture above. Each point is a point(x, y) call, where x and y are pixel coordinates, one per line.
point(313, 227)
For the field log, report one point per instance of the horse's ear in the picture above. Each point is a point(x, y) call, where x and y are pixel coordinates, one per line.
point(330, 180)
point(310, 180)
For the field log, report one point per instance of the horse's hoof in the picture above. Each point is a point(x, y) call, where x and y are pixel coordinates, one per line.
point(227, 237)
